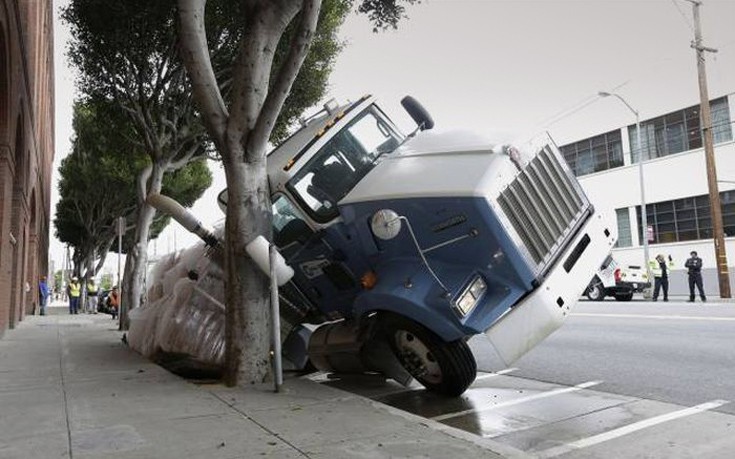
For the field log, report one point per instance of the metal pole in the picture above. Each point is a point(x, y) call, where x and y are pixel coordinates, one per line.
point(714, 194)
point(644, 214)
point(275, 320)
point(120, 231)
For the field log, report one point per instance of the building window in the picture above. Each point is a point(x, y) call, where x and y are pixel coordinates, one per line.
point(624, 237)
point(595, 154)
point(680, 131)
point(728, 212)
point(685, 219)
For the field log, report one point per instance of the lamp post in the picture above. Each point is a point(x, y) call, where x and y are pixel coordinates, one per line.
point(644, 217)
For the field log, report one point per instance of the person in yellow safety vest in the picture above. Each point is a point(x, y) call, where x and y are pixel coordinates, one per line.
point(74, 289)
point(91, 297)
point(660, 268)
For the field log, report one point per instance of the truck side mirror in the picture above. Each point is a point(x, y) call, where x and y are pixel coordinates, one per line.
point(418, 113)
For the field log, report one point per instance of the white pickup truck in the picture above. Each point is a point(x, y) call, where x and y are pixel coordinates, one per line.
point(617, 280)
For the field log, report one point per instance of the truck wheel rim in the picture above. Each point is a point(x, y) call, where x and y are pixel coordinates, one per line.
point(417, 358)
point(595, 291)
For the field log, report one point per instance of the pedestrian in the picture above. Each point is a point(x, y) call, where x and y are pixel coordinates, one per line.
point(43, 295)
point(74, 290)
point(91, 297)
point(113, 300)
point(660, 268)
point(694, 269)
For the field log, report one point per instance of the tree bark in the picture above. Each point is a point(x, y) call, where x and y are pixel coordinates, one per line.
point(247, 343)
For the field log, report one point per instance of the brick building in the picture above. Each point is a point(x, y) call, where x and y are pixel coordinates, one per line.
point(26, 152)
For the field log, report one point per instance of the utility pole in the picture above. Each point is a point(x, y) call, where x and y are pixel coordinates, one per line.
point(714, 193)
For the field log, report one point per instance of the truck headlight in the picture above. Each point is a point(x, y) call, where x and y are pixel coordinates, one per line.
point(472, 295)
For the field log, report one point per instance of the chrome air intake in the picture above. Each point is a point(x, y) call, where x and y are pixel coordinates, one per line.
point(544, 204)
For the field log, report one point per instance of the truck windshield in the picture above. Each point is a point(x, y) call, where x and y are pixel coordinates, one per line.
point(342, 162)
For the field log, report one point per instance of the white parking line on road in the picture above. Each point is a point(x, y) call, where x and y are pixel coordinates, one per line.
point(636, 426)
point(639, 316)
point(497, 373)
point(516, 401)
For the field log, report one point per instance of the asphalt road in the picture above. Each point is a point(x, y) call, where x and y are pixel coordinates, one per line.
point(671, 352)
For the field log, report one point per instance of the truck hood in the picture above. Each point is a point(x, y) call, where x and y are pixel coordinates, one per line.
point(451, 164)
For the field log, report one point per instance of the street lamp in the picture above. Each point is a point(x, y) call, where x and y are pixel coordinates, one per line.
point(644, 217)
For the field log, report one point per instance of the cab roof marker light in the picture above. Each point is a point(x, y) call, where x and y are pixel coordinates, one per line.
point(289, 164)
point(319, 134)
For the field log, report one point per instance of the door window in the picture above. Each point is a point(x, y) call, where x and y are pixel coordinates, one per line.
point(342, 162)
point(288, 223)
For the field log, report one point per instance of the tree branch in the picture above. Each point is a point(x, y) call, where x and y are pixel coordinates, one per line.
point(195, 54)
point(252, 68)
point(285, 78)
point(186, 159)
point(145, 174)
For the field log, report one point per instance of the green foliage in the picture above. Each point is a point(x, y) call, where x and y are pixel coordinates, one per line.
point(132, 58)
point(99, 177)
point(120, 45)
point(97, 180)
point(312, 81)
point(384, 14)
point(106, 282)
point(58, 280)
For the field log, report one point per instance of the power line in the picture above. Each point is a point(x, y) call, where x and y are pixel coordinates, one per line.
point(683, 16)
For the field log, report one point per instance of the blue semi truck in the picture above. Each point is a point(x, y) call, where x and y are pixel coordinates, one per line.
point(405, 246)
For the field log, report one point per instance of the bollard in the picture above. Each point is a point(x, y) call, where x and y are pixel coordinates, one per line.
point(275, 320)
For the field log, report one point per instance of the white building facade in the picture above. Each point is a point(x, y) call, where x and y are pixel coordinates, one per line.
point(675, 181)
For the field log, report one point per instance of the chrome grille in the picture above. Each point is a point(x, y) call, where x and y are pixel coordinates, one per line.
point(543, 204)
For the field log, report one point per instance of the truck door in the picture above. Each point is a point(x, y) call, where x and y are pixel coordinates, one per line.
point(320, 269)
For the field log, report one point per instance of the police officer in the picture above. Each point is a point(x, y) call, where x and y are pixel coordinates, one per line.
point(694, 267)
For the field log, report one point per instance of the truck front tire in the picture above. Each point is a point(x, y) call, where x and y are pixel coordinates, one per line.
point(447, 368)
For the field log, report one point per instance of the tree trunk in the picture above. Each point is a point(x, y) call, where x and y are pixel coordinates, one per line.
point(136, 260)
point(247, 341)
point(240, 132)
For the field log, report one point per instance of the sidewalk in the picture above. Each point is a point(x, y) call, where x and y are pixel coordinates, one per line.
point(70, 388)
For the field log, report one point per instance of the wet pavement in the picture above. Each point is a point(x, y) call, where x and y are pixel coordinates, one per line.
point(551, 420)
point(616, 381)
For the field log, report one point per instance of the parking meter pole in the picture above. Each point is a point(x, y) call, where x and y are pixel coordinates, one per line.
point(120, 233)
point(275, 320)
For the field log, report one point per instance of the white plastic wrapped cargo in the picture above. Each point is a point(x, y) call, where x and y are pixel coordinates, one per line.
point(184, 317)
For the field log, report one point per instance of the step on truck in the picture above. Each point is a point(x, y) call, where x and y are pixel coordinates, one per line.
point(405, 246)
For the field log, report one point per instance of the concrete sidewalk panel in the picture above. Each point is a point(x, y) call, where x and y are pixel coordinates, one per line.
point(415, 441)
point(92, 404)
point(212, 437)
point(46, 446)
point(115, 361)
point(295, 393)
point(329, 422)
point(37, 411)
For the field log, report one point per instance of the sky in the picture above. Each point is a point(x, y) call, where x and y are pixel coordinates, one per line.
point(506, 69)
